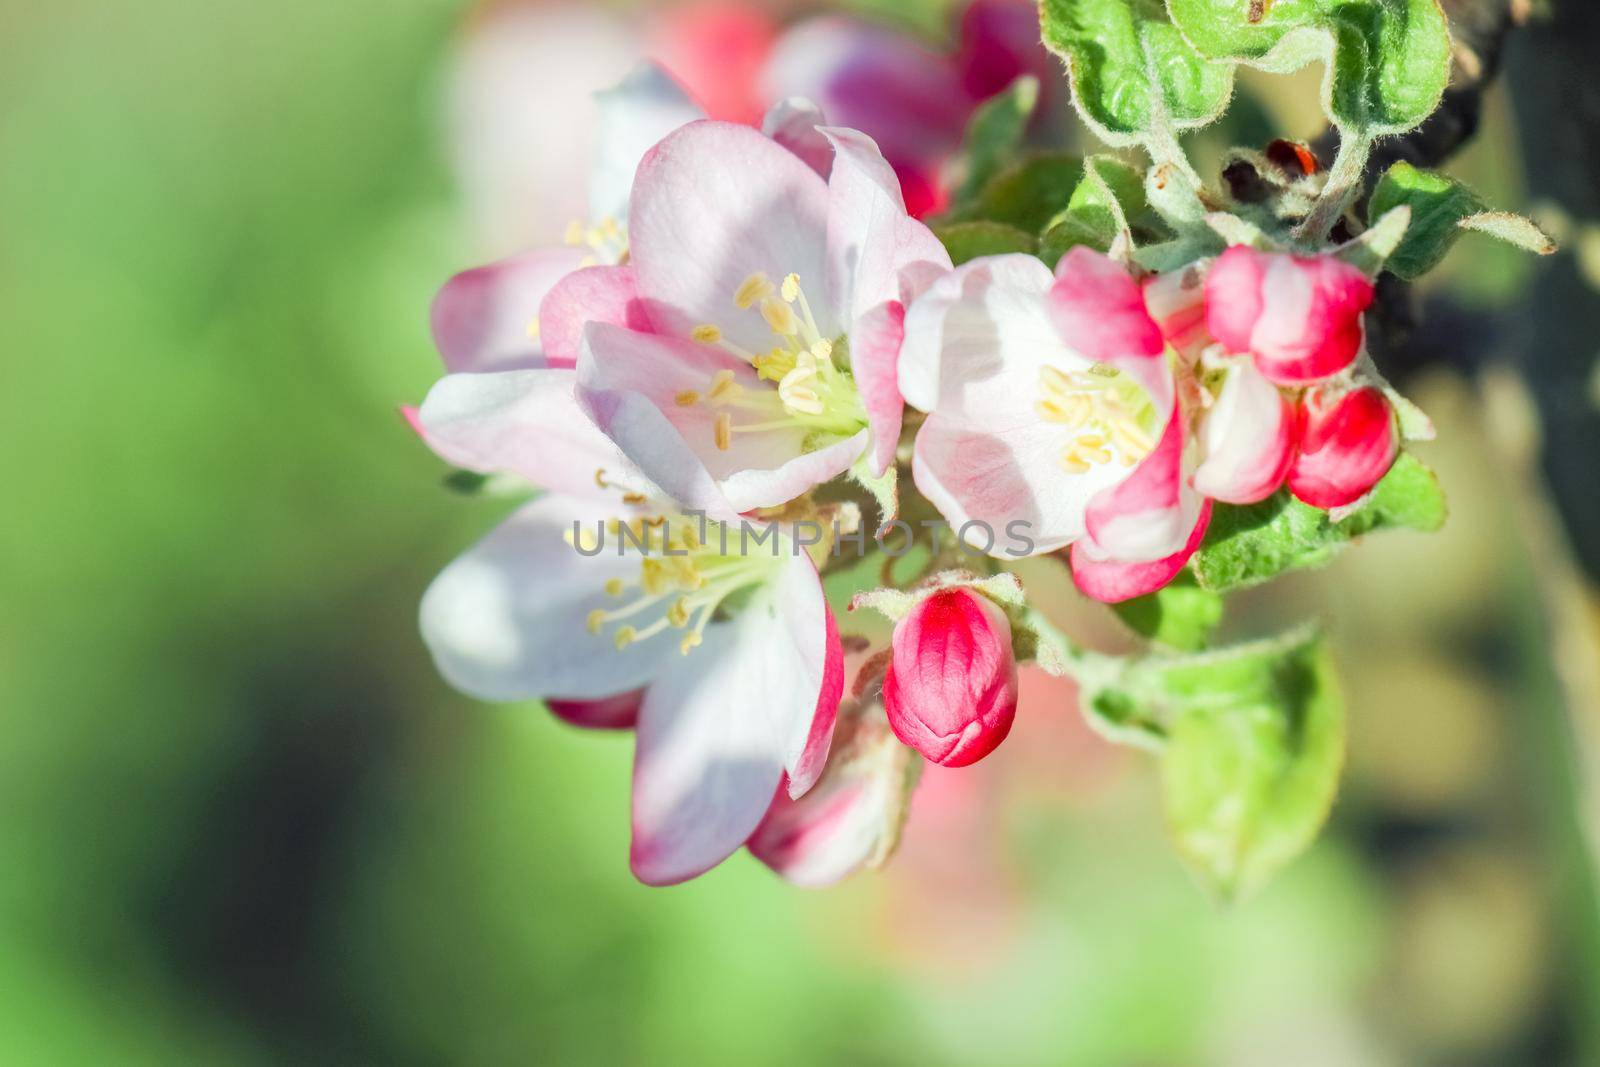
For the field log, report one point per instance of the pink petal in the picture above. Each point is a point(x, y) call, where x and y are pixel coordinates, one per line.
point(718, 728)
point(594, 294)
point(851, 818)
point(1148, 515)
point(487, 319)
point(874, 360)
point(872, 243)
point(1176, 302)
point(527, 423)
point(1247, 439)
point(618, 712)
point(1100, 312)
point(800, 597)
point(717, 49)
point(1300, 317)
point(713, 204)
point(951, 688)
point(999, 43)
point(1112, 583)
point(795, 124)
point(1347, 445)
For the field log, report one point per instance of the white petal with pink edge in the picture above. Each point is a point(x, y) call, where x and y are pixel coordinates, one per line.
point(714, 205)
point(508, 619)
point(719, 727)
point(526, 423)
point(487, 319)
point(1246, 438)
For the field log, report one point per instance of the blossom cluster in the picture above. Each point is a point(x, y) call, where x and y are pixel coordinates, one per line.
point(753, 328)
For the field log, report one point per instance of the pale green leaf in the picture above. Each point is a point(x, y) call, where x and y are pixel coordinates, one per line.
point(994, 135)
point(1180, 615)
point(1512, 229)
point(1102, 208)
point(1247, 545)
point(969, 240)
point(1132, 73)
point(1388, 61)
point(1254, 750)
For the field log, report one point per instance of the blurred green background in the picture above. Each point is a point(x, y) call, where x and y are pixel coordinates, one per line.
point(242, 820)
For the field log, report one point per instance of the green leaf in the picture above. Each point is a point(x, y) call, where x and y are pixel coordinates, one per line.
point(1029, 193)
point(884, 488)
point(1108, 197)
point(969, 240)
point(1388, 61)
point(1132, 73)
point(994, 135)
point(1252, 761)
point(1512, 229)
point(1437, 203)
point(1180, 615)
point(1248, 545)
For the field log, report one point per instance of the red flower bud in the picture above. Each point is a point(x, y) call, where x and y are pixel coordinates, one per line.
point(1346, 446)
point(951, 688)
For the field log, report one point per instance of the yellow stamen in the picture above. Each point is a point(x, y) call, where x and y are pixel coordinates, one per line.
point(723, 387)
point(678, 614)
point(634, 498)
point(615, 587)
point(690, 641)
point(780, 317)
point(724, 431)
point(533, 328)
point(624, 637)
point(596, 620)
point(574, 233)
point(753, 290)
point(687, 399)
point(706, 334)
point(600, 478)
point(791, 287)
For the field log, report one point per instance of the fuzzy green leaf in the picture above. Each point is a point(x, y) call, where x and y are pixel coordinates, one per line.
point(1512, 229)
point(1132, 72)
point(1108, 198)
point(1438, 204)
point(1252, 761)
point(994, 135)
point(969, 240)
point(1388, 61)
point(1248, 545)
point(1180, 615)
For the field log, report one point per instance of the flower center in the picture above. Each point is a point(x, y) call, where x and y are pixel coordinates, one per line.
point(813, 392)
point(685, 574)
point(1109, 415)
point(607, 241)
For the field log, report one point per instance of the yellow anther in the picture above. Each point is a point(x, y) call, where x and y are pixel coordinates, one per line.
point(634, 499)
point(533, 328)
point(600, 478)
point(690, 641)
point(589, 261)
point(687, 399)
point(822, 350)
point(752, 291)
point(596, 620)
point(691, 539)
point(624, 637)
point(1104, 370)
point(678, 614)
point(791, 287)
point(574, 235)
point(706, 334)
point(610, 229)
point(654, 577)
point(615, 587)
point(724, 431)
point(723, 387)
point(780, 317)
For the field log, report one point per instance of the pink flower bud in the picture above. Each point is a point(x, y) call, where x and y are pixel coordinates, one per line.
point(951, 688)
point(1348, 443)
point(849, 820)
point(1299, 316)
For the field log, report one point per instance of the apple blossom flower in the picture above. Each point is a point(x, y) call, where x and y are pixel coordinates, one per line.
point(951, 687)
point(1348, 444)
point(1044, 393)
point(490, 318)
point(1247, 437)
point(851, 819)
point(619, 611)
point(770, 304)
point(1299, 317)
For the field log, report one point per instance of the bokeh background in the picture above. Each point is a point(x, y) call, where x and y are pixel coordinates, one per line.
point(242, 820)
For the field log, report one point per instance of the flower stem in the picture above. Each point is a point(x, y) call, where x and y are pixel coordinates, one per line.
point(1344, 181)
